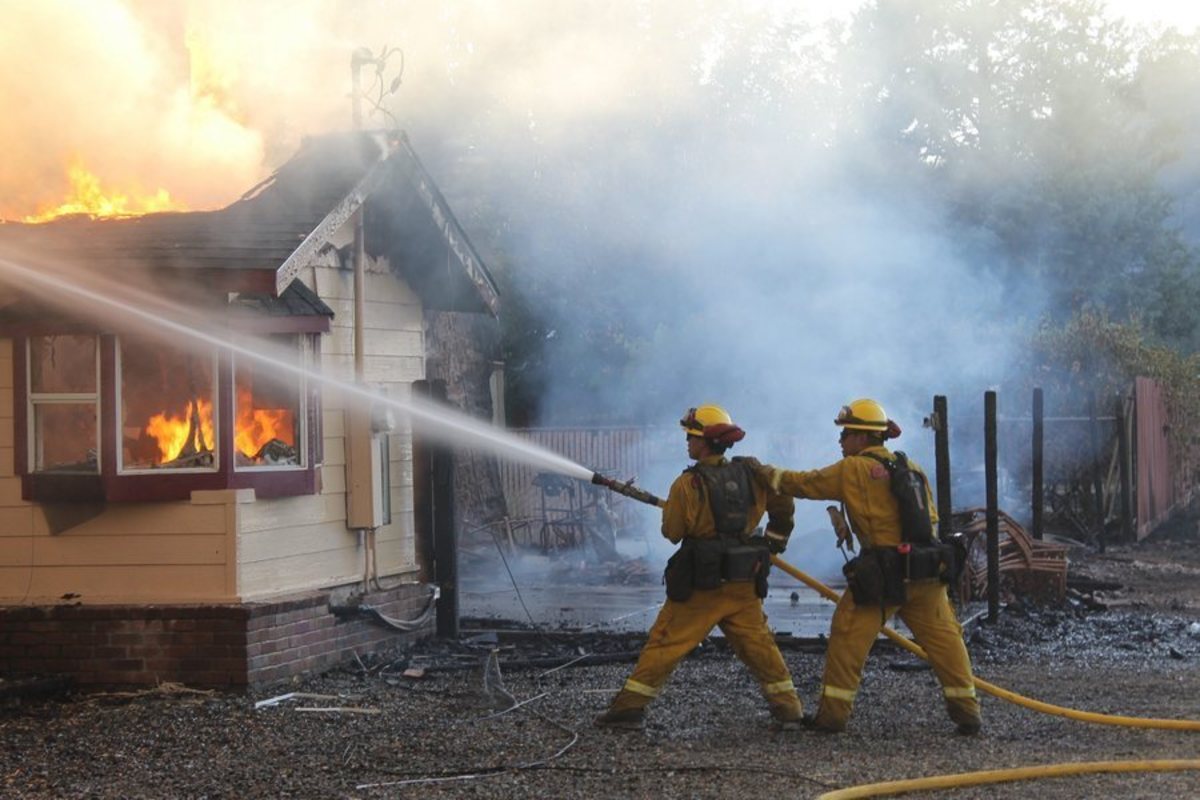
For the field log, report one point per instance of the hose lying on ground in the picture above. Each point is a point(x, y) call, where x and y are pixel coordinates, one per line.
point(1004, 775)
point(996, 691)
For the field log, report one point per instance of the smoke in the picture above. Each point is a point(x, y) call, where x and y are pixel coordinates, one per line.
point(681, 177)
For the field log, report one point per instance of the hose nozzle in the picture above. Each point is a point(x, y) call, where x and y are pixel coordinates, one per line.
point(627, 489)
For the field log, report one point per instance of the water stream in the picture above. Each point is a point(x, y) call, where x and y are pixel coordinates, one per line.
point(431, 419)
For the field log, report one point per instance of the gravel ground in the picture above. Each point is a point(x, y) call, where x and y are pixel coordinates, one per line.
point(708, 736)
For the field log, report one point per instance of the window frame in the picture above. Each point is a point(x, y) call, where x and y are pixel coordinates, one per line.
point(34, 399)
point(109, 485)
point(121, 469)
point(304, 392)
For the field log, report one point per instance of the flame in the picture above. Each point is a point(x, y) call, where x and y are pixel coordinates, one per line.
point(88, 196)
point(172, 431)
point(254, 428)
point(257, 426)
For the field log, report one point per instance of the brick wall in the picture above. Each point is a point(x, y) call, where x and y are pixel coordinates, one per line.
point(249, 644)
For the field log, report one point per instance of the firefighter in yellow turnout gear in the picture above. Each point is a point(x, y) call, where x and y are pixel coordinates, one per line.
point(861, 482)
point(711, 510)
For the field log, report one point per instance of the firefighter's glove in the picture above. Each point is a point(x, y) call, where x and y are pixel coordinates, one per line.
point(776, 542)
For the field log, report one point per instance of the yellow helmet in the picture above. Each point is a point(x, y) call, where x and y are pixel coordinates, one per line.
point(863, 415)
point(698, 418)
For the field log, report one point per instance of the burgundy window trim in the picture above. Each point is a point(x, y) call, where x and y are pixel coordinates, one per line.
point(113, 487)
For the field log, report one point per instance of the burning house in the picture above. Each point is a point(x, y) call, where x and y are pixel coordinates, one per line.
point(170, 511)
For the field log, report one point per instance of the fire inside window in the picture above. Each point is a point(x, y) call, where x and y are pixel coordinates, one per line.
point(166, 406)
point(269, 409)
point(64, 403)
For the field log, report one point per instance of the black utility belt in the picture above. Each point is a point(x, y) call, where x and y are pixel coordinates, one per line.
point(705, 564)
point(878, 575)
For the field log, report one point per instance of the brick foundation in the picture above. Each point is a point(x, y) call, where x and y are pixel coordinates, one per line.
point(241, 645)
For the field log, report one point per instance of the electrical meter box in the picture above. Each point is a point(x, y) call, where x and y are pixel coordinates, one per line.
point(368, 494)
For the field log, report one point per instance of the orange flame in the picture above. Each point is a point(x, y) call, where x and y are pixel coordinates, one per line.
point(88, 196)
point(172, 431)
point(254, 428)
point(257, 426)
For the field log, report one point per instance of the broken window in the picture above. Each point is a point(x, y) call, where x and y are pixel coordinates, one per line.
point(167, 407)
point(63, 403)
point(269, 407)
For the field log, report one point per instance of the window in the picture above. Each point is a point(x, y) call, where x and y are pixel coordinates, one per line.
point(64, 404)
point(167, 408)
point(270, 409)
point(115, 419)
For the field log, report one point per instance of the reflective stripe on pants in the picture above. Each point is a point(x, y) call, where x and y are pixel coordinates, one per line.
point(681, 626)
point(640, 688)
point(840, 694)
point(930, 617)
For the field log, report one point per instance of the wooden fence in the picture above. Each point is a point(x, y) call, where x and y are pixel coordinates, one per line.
point(653, 456)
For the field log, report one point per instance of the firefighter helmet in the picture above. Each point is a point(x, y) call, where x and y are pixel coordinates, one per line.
point(863, 415)
point(701, 417)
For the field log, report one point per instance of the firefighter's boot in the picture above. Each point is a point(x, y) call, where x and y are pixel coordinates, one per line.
point(626, 719)
point(967, 723)
point(627, 712)
point(784, 718)
point(824, 723)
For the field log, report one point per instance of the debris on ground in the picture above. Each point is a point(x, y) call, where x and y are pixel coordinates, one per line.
point(507, 714)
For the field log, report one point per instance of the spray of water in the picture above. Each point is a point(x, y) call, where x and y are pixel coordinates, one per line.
point(436, 421)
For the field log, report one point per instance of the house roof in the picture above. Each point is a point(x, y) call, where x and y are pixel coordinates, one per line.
point(259, 242)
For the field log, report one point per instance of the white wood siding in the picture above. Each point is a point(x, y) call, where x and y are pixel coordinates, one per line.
point(289, 544)
point(226, 545)
point(129, 553)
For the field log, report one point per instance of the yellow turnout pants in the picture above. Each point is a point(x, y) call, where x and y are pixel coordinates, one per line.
point(681, 626)
point(930, 617)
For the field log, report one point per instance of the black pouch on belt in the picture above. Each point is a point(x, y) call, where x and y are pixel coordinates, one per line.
point(876, 578)
point(679, 574)
point(709, 563)
point(954, 557)
point(747, 562)
point(895, 575)
point(742, 562)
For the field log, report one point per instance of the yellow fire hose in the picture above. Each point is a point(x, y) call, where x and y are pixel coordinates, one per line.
point(994, 690)
point(1015, 773)
point(1004, 775)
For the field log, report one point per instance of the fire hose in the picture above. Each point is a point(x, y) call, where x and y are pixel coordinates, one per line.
point(987, 776)
point(629, 490)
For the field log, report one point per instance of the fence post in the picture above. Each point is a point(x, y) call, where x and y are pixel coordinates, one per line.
point(1097, 479)
point(1038, 500)
point(993, 516)
point(941, 448)
point(1124, 468)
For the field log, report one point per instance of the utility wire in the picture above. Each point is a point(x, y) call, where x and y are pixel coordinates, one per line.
point(511, 577)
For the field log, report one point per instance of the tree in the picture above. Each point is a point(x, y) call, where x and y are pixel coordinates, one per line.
point(1031, 121)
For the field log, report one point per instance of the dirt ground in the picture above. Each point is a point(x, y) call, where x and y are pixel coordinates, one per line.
point(375, 733)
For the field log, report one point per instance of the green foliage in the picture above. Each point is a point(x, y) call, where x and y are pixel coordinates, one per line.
point(1093, 355)
point(1043, 129)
